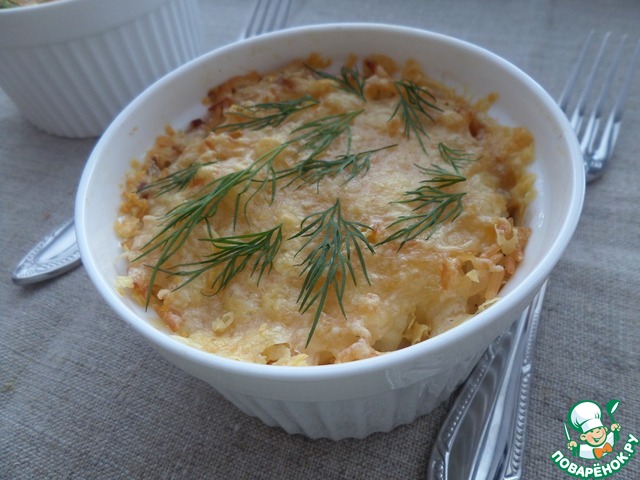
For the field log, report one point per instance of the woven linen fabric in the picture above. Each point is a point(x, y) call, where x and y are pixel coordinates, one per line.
point(82, 396)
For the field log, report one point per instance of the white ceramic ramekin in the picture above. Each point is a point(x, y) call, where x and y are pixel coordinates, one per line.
point(377, 394)
point(72, 65)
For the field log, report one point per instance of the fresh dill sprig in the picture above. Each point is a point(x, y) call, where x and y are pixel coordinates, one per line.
point(440, 205)
point(456, 158)
point(350, 80)
point(316, 136)
point(412, 106)
point(272, 114)
point(265, 164)
point(178, 180)
point(439, 176)
point(313, 170)
point(328, 264)
point(233, 254)
point(180, 222)
point(443, 206)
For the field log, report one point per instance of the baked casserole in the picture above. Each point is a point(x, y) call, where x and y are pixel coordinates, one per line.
point(322, 214)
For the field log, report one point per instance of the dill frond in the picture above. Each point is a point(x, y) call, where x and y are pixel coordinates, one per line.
point(272, 114)
point(313, 170)
point(233, 254)
point(350, 80)
point(329, 262)
point(179, 180)
point(180, 222)
point(316, 136)
point(456, 158)
point(443, 206)
point(414, 103)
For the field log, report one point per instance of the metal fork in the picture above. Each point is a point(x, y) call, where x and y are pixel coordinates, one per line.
point(483, 435)
point(58, 252)
point(267, 16)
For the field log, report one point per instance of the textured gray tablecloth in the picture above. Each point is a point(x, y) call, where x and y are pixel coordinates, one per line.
point(82, 396)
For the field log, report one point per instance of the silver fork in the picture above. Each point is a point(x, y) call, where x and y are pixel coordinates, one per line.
point(58, 252)
point(483, 435)
point(267, 16)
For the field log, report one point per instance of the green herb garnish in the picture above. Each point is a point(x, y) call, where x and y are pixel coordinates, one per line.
point(314, 170)
point(350, 80)
point(317, 135)
point(272, 114)
point(179, 223)
point(456, 158)
point(439, 176)
point(441, 205)
point(329, 263)
point(333, 247)
point(412, 107)
point(179, 180)
point(264, 164)
point(233, 253)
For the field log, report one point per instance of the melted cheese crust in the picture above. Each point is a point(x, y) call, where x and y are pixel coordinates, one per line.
point(416, 292)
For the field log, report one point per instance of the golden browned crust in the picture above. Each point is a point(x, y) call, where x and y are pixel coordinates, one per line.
point(420, 290)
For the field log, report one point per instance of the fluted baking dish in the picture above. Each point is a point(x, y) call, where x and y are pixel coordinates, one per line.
point(70, 66)
point(377, 394)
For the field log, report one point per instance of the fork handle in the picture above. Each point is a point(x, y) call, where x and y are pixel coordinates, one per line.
point(56, 254)
point(483, 435)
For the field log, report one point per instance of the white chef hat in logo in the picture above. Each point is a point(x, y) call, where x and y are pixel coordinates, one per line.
point(586, 416)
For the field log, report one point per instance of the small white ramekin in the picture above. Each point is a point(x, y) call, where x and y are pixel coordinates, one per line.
point(376, 394)
point(71, 66)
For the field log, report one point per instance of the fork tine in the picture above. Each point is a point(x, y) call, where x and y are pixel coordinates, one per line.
point(596, 142)
point(577, 116)
point(267, 16)
point(589, 135)
point(597, 157)
point(616, 115)
point(563, 101)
